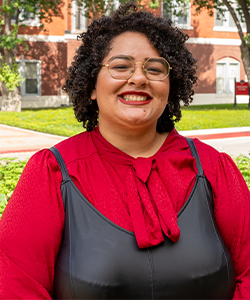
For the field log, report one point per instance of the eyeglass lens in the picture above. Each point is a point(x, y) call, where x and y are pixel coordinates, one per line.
point(123, 67)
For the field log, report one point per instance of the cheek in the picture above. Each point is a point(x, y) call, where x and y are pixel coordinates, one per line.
point(164, 97)
point(108, 87)
point(162, 90)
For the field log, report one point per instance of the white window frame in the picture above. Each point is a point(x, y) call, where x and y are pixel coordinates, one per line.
point(227, 63)
point(29, 22)
point(175, 18)
point(225, 20)
point(22, 62)
point(83, 19)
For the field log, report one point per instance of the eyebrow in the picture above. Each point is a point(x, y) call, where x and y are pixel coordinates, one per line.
point(127, 57)
point(160, 60)
point(121, 56)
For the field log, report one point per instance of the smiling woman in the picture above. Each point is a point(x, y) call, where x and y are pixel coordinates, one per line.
point(129, 209)
point(135, 101)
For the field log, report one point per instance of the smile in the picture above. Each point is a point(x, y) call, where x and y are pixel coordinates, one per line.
point(134, 98)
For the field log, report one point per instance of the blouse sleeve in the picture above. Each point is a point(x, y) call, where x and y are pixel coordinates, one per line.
point(232, 212)
point(31, 230)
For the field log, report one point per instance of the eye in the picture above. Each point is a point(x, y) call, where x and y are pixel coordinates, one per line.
point(152, 70)
point(120, 67)
point(156, 67)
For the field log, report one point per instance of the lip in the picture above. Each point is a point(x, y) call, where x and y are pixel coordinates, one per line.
point(136, 93)
point(135, 102)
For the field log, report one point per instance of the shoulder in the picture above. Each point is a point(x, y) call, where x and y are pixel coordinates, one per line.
point(80, 146)
point(206, 152)
point(211, 158)
point(213, 162)
point(221, 171)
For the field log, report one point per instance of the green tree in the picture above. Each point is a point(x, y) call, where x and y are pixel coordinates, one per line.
point(12, 15)
point(239, 10)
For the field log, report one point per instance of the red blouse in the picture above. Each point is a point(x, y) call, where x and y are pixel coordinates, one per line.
point(142, 195)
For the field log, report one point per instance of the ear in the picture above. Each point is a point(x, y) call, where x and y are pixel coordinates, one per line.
point(93, 95)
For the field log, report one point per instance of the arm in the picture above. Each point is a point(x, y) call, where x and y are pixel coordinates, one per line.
point(30, 231)
point(232, 212)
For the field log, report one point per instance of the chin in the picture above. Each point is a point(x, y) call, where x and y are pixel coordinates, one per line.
point(136, 117)
point(136, 121)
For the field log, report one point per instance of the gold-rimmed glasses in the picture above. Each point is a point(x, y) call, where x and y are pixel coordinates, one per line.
point(122, 67)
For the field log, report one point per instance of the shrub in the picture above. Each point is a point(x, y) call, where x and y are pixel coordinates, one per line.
point(243, 163)
point(10, 172)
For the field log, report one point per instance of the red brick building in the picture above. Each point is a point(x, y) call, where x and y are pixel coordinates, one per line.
point(214, 43)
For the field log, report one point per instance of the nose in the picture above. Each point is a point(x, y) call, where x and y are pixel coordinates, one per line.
point(138, 78)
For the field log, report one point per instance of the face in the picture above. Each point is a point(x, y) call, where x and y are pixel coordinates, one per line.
point(149, 98)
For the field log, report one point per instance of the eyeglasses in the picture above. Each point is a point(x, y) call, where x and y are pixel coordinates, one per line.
point(122, 67)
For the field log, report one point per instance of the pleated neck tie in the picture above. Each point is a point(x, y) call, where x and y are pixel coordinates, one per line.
point(150, 207)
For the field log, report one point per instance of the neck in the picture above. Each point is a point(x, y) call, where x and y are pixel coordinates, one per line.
point(139, 142)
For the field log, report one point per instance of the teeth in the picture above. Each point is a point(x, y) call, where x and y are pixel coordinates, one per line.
point(134, 98)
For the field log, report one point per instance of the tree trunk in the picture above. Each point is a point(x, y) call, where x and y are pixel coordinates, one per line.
point(245, 56)
point(11, 99)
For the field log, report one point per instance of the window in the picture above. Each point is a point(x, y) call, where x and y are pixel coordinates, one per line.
point(30, 70)
point(26, 18)
point(226, 22)
point(183, 20)
point(227, 70)
point(79, 21)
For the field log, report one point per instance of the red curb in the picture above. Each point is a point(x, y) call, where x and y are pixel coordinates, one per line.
point(224, 135)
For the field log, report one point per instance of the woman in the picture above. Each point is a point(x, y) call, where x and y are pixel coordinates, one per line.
point(128, 209)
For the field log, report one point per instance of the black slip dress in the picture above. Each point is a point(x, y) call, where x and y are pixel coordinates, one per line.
point(100, 260)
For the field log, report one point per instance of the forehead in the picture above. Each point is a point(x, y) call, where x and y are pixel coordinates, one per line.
point(134, 44)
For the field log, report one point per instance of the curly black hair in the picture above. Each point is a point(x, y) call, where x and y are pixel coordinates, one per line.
point(96, 43)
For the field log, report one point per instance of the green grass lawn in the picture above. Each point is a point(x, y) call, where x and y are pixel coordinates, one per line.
point(214, 116)
point(61, 121)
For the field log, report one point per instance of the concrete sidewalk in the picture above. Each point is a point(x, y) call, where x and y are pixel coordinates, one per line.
point(22, 143)
point(234, 141)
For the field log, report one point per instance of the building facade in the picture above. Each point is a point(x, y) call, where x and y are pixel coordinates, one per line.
point(50, 50)
point(214, 43)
